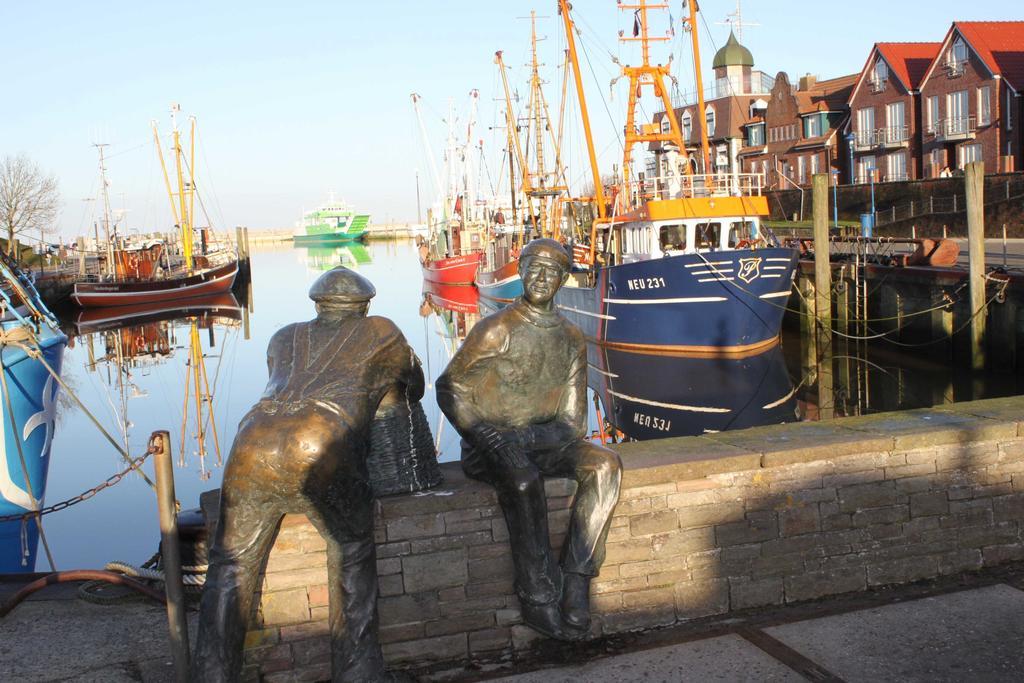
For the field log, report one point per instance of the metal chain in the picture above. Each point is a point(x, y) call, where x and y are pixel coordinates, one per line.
point(64, 504)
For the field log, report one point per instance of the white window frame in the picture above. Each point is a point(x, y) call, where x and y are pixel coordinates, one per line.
point(863, 116)
point(814, 127)
point(963, 157)
point(958, 53)
point(666, 126)
point(984, 105)
point(815, 164)
point(863, 164)
point(687, 126)
point(801, 170)
point(710, 120)
point(955, 112)
point(881, 74)
point(933, 110)
point(896, 166)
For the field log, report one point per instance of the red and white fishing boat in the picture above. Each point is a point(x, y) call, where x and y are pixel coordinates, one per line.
point(132, 292)
point(147, 273)
point(457, 270)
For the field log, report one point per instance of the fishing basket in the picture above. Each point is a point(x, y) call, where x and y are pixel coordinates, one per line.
point(402, 454)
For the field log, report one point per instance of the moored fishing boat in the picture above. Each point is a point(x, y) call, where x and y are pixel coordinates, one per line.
point(678, 262)
point(332, 223)
point(455, 270)
point(452, 297)
point(31, 350)
point(139, 275)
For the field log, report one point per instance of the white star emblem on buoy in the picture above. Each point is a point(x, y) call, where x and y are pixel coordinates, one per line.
point(44, 417)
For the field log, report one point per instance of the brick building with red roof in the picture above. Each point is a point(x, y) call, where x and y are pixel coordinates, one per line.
point(885, 112)
point(971, 98)
point(799, 133)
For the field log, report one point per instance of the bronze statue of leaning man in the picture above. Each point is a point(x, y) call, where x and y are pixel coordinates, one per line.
point(302, 449)
point(516, 391)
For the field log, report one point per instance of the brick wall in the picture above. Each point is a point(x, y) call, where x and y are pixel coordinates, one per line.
point(705, 525)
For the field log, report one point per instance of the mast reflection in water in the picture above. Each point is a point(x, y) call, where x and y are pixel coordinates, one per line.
point(656, 396)
point(123, 342)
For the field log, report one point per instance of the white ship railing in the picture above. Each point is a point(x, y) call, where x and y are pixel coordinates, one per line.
point(699, 185)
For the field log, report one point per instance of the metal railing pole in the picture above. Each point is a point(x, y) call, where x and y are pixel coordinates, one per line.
point(177, 624)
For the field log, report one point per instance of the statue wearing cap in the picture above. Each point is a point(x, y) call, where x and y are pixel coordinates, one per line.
point(302, 449)
point(516, 391)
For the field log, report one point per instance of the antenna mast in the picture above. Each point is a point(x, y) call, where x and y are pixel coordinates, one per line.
point(652, 76)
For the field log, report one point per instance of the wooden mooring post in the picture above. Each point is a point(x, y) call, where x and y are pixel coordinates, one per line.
point(177, 622)
point(974, 180)
point(822, 263)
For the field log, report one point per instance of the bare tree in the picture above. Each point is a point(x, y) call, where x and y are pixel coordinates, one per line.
point(29, 198)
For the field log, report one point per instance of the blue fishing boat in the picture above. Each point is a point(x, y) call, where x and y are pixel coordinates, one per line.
point(677, 260)
point(653, 397)
point(31, 350)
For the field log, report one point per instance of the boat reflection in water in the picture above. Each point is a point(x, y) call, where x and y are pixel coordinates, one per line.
point(323, 258)
point(125, 342)
point(658, 396)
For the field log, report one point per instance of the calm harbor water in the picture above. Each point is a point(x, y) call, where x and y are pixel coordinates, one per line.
point(133, 373)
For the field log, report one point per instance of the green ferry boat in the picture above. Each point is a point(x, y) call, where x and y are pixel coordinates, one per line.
point(332, 223)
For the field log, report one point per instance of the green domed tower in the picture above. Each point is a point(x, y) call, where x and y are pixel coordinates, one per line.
point(733, 65)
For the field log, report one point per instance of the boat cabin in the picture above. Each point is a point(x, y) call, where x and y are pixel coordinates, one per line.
point(646, 240)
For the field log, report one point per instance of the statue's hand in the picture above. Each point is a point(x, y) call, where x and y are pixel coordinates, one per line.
point(506, 446)
point(513, 456)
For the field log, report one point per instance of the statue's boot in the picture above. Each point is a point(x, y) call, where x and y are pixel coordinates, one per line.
point(546, 619)
point(576, 601)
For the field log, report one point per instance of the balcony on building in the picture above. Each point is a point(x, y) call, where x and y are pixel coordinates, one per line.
point(864, 140)
point(956, 128)
point(894, 136)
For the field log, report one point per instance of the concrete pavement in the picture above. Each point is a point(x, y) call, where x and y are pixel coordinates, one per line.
point(968, 629)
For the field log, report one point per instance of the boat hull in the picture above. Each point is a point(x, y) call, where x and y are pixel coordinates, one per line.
point(502, 286)
point(720, 302)
point(32, 392)
point(457, 270)
point(458, 298)
point(205, 283)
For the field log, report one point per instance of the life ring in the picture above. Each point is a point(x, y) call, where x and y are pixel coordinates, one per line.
point(140, 343)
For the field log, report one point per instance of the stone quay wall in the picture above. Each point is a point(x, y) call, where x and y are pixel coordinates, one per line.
point(705, 525)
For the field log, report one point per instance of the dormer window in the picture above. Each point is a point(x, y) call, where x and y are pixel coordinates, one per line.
point(709, 115)
point(687, 126)
point(666, 125)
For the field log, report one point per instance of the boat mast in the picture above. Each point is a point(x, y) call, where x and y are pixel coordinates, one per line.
point(647, 75)
point(536, 120)
point(702, 114)
point(513, 135)
point(185, 224)
point(426, 141)
point(106, 209)
point(570, 38)
point(468, 170)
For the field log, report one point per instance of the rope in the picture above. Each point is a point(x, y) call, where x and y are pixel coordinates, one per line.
point(194, 575)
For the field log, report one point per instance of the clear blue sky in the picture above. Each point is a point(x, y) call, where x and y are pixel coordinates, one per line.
point(298, 98)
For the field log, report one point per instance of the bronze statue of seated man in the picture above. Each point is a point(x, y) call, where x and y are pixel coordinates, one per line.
point(302, 449)
point(516, 391)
